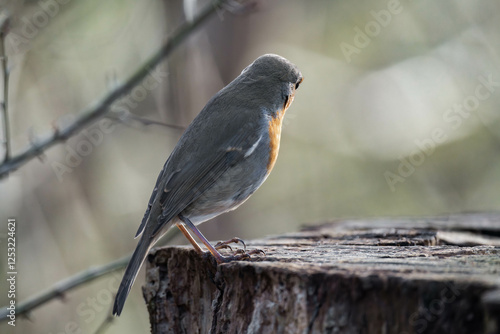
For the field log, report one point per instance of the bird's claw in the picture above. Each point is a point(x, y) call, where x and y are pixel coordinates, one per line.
point(240, 255)
point(225, 244)
point(220, 246)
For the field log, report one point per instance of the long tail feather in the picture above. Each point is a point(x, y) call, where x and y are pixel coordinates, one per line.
point(131, 272)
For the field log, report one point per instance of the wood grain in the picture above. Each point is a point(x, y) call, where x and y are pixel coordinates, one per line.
point(404, 275)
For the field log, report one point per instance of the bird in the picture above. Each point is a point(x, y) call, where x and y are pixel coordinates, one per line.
point(221, 159)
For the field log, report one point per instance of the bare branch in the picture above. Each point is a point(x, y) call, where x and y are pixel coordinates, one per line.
point(59, 289)
point(103, 327)
point(93, 113)
point(126, 117)
point(4, 26)
point(62, 287)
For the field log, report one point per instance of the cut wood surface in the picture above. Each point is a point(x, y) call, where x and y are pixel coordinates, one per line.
point(392, 275)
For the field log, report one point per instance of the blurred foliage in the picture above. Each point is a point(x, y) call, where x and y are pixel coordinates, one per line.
point(395, 117)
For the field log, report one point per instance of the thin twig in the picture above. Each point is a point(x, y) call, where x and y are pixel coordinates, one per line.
point(5, 102)
point(90, 115)
point(128, 118)
point(106, 322)
point(62, 287)
point(59, 289)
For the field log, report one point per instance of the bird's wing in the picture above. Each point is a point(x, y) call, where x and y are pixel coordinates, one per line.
point(151, 200)
point(186, 182)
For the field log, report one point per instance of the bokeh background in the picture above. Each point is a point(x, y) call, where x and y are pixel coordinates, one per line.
point(398, 115)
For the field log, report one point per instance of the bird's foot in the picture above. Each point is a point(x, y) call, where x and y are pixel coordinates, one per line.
point(225, 244)
point(239, 254)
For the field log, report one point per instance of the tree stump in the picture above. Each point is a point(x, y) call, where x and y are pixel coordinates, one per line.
point(407, 275)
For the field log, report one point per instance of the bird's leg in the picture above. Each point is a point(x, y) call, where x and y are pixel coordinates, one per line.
point(190, 238)
point(218, 257)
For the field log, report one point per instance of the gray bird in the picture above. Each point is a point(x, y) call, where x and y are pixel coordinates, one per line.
point(224, 155)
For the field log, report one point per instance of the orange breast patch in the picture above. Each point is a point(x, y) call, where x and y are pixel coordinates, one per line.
point(275, 134)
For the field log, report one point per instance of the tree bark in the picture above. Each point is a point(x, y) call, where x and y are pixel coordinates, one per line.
point(408, 275)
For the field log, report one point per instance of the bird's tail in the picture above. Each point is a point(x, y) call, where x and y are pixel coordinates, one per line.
point(131, 272)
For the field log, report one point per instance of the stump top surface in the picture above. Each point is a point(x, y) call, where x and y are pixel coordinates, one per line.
point(439, 248)
point(404, 275)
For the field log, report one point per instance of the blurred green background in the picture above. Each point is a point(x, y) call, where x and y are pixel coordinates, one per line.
point(398, 115)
